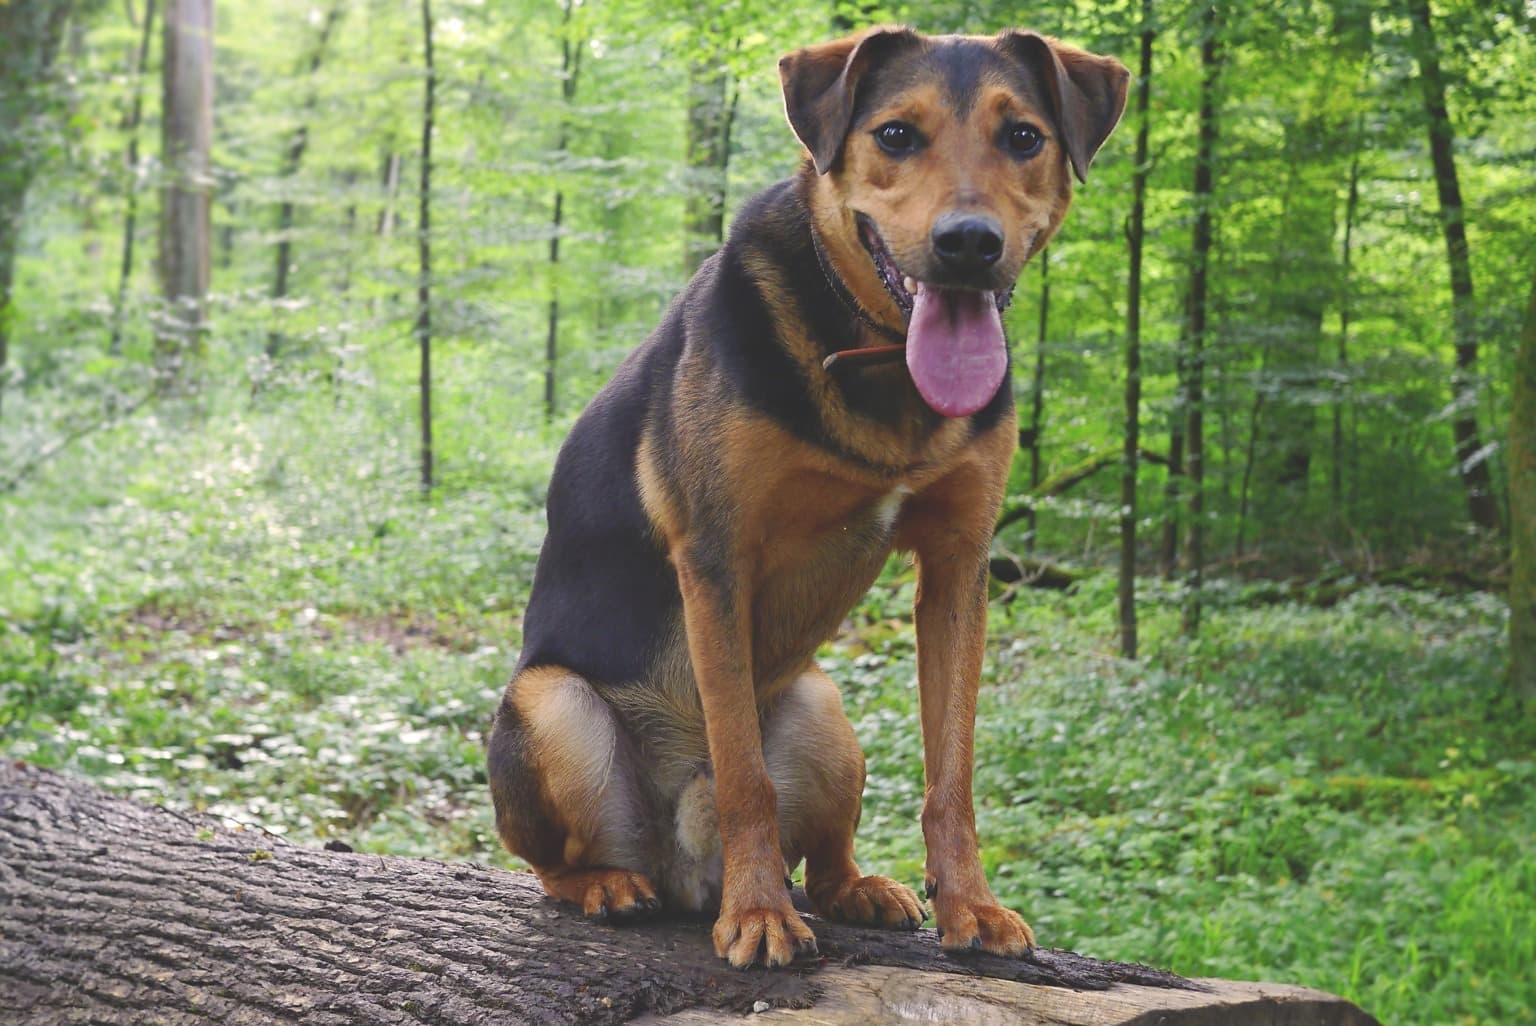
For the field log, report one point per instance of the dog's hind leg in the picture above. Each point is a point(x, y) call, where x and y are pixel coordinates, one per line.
point(562, 779)
point(817, 769)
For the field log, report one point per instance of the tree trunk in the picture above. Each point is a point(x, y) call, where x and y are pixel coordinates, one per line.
point(1168, 552)
point(1136, 236)
point(1031, 435)
point(570, 70)
point(389, 180)
point(131, 179)
point(1304, 281)
point(116, 912)
point(293, 157)
point(32, 32)
point(1346, 311)
point(1522, 517)
point(1245, 490)
point(424, 250)
point(710, 112)
point(1471, 458)
point(185, 235)
point(1194, 546)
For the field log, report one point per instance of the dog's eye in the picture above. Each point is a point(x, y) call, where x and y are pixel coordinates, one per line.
point(1024, 140)
point(897, 137)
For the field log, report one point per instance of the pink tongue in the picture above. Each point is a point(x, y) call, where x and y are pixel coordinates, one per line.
point(955, 349)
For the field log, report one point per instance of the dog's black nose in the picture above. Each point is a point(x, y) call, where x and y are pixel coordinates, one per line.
point(967, 242)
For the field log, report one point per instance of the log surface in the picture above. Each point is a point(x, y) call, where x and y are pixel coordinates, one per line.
point(113, 911)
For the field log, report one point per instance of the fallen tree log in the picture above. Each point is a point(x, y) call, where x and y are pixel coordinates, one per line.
point(116, 912)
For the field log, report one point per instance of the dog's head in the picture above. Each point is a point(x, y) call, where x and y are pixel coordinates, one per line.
point(942, 164)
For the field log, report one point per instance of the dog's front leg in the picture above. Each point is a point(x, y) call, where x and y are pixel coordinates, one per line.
point(950, 530)
point(757, 922)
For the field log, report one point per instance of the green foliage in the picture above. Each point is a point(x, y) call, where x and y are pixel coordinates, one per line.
point(269, 624)
point(1317, 796)
point(240, 602)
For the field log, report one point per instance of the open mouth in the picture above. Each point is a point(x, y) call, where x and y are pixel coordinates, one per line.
point(900, 286)
point(955, 349)
point(903, 287)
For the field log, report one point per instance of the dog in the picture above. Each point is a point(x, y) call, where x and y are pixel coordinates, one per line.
point(831, 386)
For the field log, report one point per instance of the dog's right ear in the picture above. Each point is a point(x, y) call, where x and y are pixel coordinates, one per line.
point(819, 84)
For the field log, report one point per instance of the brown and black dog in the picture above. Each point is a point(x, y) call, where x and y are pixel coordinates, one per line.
point(667, 737)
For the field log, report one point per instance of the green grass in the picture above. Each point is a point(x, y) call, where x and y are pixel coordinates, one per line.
point(264, 619)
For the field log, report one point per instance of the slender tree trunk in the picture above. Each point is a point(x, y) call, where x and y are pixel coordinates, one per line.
point(1471, 459)
point(131, 179)
point(1136, 237)
point(185, 230)
point(710, 111)
point(552, 339)
point(1168, 551)
point(1194, 546)
point(389, 178)
point(1037, 396)
point(32, 32)
point(12, 204)
point(570, 71)
point(1522, 517)
point(293, 157)
point(1245, 490)
point(424, 250)
point(1346, 297)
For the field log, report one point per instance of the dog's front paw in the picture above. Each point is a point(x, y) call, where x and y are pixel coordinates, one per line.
point(869, 901)
point(966, 928)
point(770, 936)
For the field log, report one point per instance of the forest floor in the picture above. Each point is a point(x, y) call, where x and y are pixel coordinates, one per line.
point(262, 617)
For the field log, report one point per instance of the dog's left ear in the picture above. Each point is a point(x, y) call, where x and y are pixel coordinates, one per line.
point(1087, 90)
point(820, 81)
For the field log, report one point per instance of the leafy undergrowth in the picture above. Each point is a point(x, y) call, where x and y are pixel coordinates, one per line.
point(299, 641)
point(1315, 796)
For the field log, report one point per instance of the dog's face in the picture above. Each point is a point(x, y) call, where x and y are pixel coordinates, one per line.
point(944, 163)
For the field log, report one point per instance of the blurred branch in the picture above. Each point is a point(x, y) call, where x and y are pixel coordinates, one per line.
point(42, 455)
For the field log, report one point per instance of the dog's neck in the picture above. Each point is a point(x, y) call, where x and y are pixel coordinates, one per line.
point(885, 327)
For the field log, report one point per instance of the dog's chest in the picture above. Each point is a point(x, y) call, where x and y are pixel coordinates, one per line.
point(811, 579)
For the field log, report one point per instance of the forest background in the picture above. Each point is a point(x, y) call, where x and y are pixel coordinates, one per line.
point(296, 308)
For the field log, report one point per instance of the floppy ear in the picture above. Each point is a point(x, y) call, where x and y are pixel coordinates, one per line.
point(819, 83)
point(1087, 90)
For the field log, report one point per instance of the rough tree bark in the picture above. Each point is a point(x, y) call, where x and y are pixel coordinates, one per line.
point(186, 237)
point(1522, 517)
point(116, 912)
point(1471, 458)
point(1135, 237)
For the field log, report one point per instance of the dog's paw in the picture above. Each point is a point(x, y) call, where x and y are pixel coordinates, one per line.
point(870, 901)
point(616, 894)
point(971, 928)
point(763, 936)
